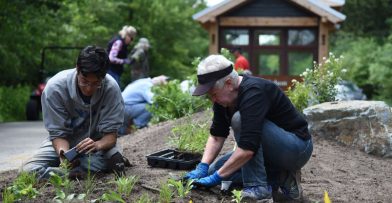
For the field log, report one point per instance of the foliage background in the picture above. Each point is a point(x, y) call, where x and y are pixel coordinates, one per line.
point(365, 41)
point(29, 25)
point(26, 26)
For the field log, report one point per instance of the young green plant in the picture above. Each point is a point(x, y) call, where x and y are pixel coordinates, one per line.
point(190, 136)
point(24, 186)
point(8, 196)
point(124, 185)
point(145, 198)
point(237, 196)
point(112, 196)
point(63, 187)
point(165, 194)
point(181, 188)
point(89, 184)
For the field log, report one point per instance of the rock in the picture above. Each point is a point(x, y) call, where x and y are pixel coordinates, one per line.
point(366, 125)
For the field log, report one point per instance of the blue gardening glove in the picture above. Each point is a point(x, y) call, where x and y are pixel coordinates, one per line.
point(209, 181)
point(201, 171)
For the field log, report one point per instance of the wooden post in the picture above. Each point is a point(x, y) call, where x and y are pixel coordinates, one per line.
point(323, 40)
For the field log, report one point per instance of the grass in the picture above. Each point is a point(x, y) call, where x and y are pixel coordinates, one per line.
point(166, 193)
point(89, 184)
point(8, 196)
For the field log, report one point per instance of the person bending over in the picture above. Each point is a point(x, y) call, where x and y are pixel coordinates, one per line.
point(273, 142)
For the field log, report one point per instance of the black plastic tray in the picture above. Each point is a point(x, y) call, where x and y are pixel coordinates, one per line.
point(170, 158)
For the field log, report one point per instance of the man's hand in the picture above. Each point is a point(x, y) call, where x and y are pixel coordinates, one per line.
point(201, 171)
point(87, 146)
point(209, 181)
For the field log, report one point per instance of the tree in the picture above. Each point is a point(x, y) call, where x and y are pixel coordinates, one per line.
point(175, 37)
point(28, 26)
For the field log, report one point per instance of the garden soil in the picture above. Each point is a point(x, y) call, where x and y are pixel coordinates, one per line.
point(347, 174)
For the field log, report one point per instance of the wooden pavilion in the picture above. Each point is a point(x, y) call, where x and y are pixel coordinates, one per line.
point(280, 38)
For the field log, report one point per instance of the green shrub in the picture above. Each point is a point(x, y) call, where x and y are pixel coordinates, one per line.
point(318, 84)
point(368, 63)
point(170, 102)
point(13, 101)
point(380, 73)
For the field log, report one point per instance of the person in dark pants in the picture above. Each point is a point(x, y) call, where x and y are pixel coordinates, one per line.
point(118, 51)
point(273, 141)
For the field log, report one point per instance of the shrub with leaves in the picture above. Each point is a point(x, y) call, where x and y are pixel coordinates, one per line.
point(13, 102)
point(190, 136)
point(170, 102)
point(318, 84)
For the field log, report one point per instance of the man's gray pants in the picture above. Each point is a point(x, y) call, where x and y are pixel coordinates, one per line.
point(46, 158)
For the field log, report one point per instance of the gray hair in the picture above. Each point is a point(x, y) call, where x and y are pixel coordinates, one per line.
point(143, 44)
point(221, 82)
point(127, 30)
point(215, 63)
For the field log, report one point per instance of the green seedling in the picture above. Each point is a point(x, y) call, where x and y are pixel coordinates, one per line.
point(181, 188)
point(190, 137)
point(63, 187)
point(61, 197)
point(144, 199)
point(237, 196)
point(165, 194)
point(24, 186)
point(125, 185)
point(8, 196)
point(89, 184)
point(112, 196)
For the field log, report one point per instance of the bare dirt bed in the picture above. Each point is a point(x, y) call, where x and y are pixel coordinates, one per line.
point(346, 173)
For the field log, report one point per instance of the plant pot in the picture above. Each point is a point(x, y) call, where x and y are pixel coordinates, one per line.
point(173, 159)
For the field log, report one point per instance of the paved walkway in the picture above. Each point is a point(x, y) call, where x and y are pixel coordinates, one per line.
point(18, 142)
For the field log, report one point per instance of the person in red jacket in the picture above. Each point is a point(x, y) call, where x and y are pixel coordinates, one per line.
point(240, 61)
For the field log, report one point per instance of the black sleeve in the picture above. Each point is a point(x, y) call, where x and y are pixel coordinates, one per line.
point(220, 126)
point(253, 108)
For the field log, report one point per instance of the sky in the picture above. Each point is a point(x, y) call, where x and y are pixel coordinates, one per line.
point(213, 2)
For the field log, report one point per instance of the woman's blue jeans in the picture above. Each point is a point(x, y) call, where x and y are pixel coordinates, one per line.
point(138, 114)
point(279, 151)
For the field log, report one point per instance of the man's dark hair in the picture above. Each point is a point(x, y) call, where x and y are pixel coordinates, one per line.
point(93, 59)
